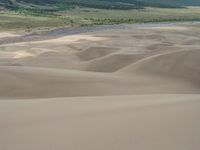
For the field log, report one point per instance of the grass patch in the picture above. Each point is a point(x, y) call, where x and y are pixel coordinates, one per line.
point(30, 19)
point(100, 16)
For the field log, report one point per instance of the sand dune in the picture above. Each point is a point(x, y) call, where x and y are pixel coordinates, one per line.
point(112, 63)
point(121, 89)
point(30, 82)
point(95, 52)
point(180, 64)
point(121, 122)
point(8, 34)
point(101, 66)
point(38, 82)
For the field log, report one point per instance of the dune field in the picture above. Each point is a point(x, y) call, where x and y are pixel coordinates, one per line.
point(117, 89)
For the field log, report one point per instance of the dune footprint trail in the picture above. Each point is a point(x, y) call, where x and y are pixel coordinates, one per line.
point(121, 89)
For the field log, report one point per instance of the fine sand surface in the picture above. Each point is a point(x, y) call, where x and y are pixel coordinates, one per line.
point(117, 89)
point(150, 122)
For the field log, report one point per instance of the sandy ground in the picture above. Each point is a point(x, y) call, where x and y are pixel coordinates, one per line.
point(8, 34)
point(135, 88)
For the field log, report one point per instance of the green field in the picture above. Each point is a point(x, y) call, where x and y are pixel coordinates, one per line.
point(16, 21)
point(102, 16)
point(102, 4)
point(29, 20)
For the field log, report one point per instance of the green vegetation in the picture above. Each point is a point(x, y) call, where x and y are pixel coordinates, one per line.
point(16, 21)
point(100, 16)
point(31, 14)
point(29, 19)
point(102, 4)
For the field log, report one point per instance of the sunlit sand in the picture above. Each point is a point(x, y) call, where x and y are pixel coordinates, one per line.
point(134, 88)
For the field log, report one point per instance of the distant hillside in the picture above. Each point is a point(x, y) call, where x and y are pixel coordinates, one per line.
point(5, 3)
point(103, 4)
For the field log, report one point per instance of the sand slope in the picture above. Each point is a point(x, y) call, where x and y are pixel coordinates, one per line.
point(28, 82)
point(179, 64)
point(121, 89)
point(123, 122)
